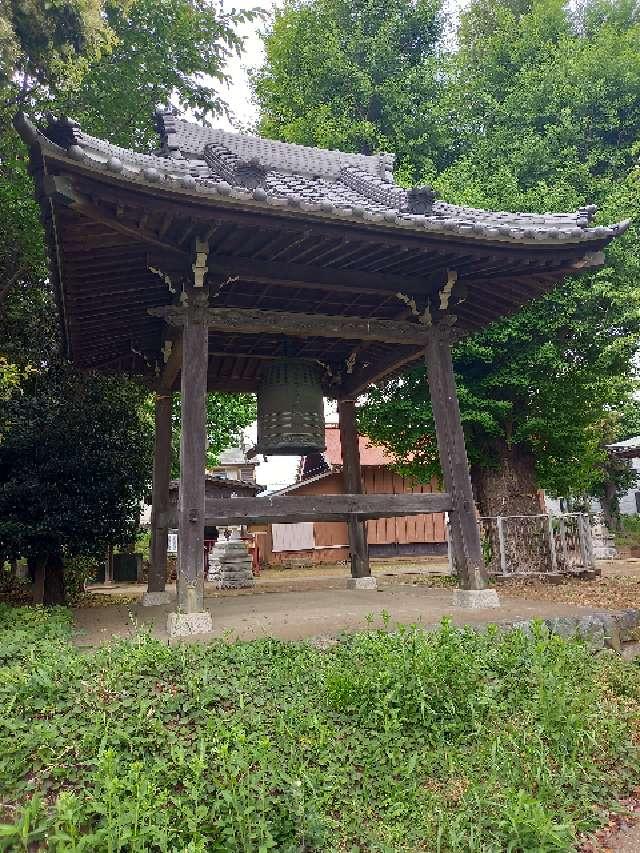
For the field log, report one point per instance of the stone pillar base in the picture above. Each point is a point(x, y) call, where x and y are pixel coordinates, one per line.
point(475, 599)
point(151, 599)
point(185, 624)
point(367, 582)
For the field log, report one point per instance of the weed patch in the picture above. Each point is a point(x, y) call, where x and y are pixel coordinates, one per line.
point(387, 742)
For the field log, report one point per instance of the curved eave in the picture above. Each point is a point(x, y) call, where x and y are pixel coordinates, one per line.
point(158, 180)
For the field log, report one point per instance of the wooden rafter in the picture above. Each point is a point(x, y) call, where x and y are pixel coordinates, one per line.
point(62, 190)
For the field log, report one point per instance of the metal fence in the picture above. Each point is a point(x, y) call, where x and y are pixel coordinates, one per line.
point(536, 544)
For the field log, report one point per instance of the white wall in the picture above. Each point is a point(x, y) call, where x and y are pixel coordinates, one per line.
point(628, 501)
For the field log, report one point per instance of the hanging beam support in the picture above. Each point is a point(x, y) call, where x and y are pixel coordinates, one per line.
point(191, 617)
point(299, 325)
point(156, 593)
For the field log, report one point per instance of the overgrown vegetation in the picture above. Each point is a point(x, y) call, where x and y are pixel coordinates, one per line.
point(629, 534)
point(407, 741)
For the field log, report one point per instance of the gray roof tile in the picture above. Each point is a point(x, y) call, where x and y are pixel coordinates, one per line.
point(247, 169)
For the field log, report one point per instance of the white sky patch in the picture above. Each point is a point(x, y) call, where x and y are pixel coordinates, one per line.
point(238, 93)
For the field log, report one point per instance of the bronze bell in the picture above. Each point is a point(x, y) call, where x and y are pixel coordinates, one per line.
point(290, 409)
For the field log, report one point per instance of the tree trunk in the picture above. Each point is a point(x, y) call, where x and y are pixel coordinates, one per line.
point(37, 567)
point(47, 573)
point(54, 591)
point(611, 507)
point(508, 488)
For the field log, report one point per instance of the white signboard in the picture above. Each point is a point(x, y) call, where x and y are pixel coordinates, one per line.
point(172, 547)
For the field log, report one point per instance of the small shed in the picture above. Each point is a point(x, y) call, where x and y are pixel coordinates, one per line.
point(328, 541)
point(215, 486)
point(234, 465)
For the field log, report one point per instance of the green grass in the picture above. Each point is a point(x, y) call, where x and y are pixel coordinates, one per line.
point(629, 536)
point(451, 741)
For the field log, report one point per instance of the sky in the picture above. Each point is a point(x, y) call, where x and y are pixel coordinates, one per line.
point(238, 93)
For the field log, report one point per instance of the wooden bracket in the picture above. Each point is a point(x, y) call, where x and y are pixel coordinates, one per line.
point(200, 268)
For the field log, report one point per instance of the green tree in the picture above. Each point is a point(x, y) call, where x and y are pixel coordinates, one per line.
point(227, 415)
point(74, 466)
point(359, 75)
point(542, 104)
point(106, 63)
point(47, 45)
point(164, 50)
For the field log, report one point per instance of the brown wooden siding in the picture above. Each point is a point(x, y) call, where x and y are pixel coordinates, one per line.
point(376, 479)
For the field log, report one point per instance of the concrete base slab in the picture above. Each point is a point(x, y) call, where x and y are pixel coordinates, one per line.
point(362, 583)
point(186, 624)
point(153, 599)
point(475, 599)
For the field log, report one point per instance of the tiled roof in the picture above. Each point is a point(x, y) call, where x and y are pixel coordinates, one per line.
point(244, 169)
point(370, 454)
point(223, 484)
point(181, 138)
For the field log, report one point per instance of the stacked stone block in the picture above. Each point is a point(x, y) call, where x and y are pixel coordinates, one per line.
point(230, 565)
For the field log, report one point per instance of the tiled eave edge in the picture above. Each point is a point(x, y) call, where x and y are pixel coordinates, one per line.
point(161, 180)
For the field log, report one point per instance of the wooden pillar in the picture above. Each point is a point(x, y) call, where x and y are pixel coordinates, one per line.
point(352, 476)
point(465, 536)
point(191, 617)
point(108, 566)
point(160, 501)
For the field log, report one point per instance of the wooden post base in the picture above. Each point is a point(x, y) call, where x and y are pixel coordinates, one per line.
point(366, 583)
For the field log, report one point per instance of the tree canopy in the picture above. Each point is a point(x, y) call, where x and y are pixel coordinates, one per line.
point(227, 415)
point(358, 75)
point(106, 63)
point(74, 462)
point(534, 106)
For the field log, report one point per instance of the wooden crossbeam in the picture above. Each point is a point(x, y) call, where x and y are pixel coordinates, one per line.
point(290, 508)
point(299, 325)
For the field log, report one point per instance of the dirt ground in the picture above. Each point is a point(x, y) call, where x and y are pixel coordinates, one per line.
point(295, 604)
point(302, 614)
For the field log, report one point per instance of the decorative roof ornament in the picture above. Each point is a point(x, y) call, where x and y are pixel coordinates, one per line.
point(237, 172)
point(420, 201)
point(240, 168)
